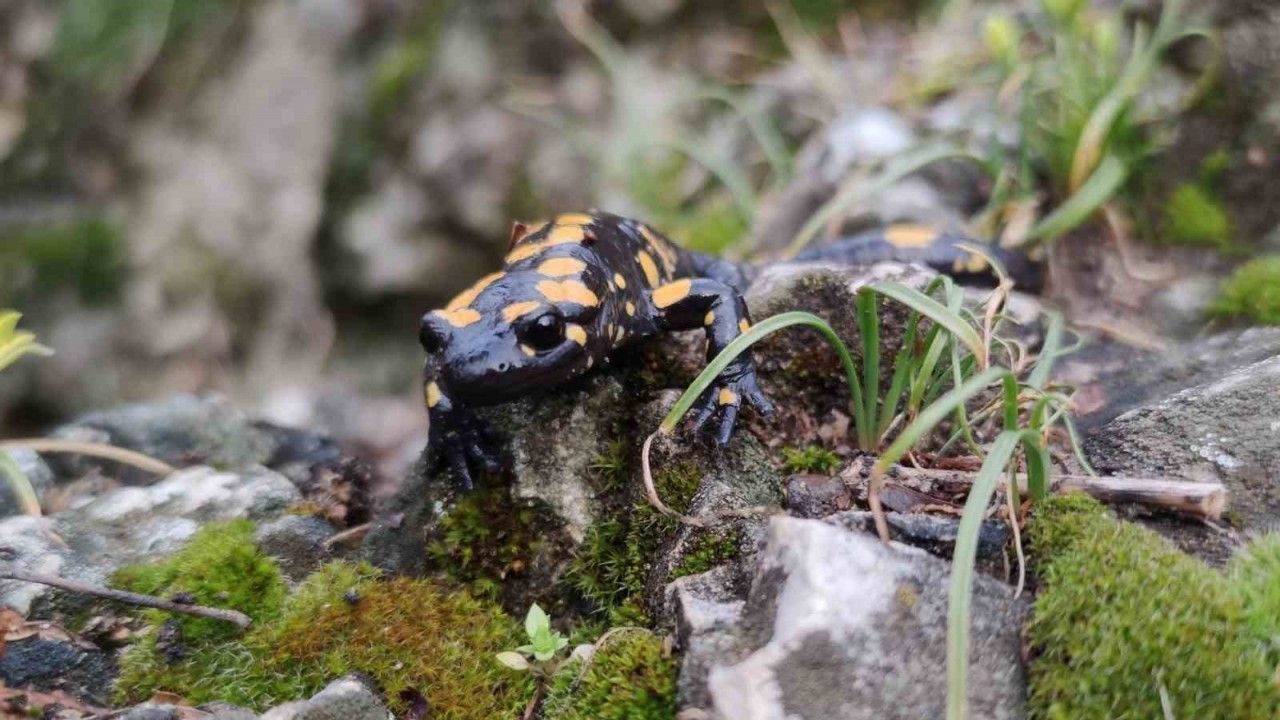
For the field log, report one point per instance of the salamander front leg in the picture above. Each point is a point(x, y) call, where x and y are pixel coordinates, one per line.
point(459, 437)
point(704, 303)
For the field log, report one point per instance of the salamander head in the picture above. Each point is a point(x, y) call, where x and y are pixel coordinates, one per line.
point(511, 334)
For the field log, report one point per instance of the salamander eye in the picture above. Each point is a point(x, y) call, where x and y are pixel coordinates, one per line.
point(544, 332)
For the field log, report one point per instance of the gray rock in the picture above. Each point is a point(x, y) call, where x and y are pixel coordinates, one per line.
point(817, 496)
point(1227, 431)
point(47, 665)
point(133, 524)
point(180, 430)
point(347, 698)
point(840, 626)
point(1122, 379)
point(708, 612)
point(297, 542)
point(37, 472)
point(934, 533)
point(227, 711)
point(152, 711)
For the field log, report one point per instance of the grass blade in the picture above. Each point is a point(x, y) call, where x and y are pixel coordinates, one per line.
point(966, 551)
point(755, 334)
point(935, 311)
point(869, 327)
point(1101, 185)
point(936, 413)
point(20, 485)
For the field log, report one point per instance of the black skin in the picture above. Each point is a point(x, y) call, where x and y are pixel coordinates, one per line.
point(537, 325)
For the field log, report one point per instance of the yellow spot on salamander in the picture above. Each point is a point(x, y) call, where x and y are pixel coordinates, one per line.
point(468, 296)
point(560, 267)
point(631, 308)
point(971, 263)
point(518, 310)
point(432, 394)
point(910, 236)
point(672, 293)
point(709, 318)
point(559, 235)
point(563, 235)
point(620, 281)
point(528, 350)
point(575, 333)
point(570, 291)
point(743, 325)
point(574, 219)
point(460, 317)
point(728, 397)
point(661, 247)
point(648, 266)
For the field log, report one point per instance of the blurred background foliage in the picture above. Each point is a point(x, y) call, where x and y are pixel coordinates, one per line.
point(260, 197)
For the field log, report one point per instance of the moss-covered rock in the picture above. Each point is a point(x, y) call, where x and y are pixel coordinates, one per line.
point(1255, 580)
point(407, 635)
point(220, 566)
point(631, 676)
point(1124, 617)
point(1252, 293)
point(1194, 216)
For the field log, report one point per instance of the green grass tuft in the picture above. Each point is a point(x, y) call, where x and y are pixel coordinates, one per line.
point(631, 677)
point(1252, 293)
point(1194, 216)
point(1124, 615)
point(612, 565)
point(810, 459)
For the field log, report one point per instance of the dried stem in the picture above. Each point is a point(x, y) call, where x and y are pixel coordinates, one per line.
point(238, 619)
point(100, 450)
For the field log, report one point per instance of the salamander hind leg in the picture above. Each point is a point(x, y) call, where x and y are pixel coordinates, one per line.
point(693, 303)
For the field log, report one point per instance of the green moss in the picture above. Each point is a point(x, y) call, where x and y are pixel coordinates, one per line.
point(631, 676)
point(1123, 614)
point(1194, 216)
point(1252, 293)
point(84, 257)
point(406, 634)
point(711, 549)
point(482, 538)
point(1255, 580)
point(613, 564)
point(610, 466)
point(219, 566)
point(810, 459)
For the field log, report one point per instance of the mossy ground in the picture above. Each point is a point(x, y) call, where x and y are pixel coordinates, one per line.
point(1123, 616)
point(1252, 293)
point(631, 676)
point(1194, 216)
point(809, 459)
point(612, 566)
point(483, 537)
point(408, 635)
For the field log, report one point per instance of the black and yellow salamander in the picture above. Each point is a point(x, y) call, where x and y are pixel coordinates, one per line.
point(576, 289)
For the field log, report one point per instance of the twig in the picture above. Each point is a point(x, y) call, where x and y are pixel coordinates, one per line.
point(1200, 499)
point(234, 617)
point(532, 707)
point(351, 533)
point(101, 450)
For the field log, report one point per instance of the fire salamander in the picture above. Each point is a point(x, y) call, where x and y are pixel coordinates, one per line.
point(578, 288)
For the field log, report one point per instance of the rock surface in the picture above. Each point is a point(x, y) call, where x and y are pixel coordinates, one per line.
point(838, 626)
point(347, 698)
point(1226, 430)
point(58, 666)
point(133, 524)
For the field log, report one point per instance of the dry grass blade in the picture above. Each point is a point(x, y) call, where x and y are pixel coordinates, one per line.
point(98, 450)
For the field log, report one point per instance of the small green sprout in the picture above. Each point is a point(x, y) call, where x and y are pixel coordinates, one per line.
point(544, 644)
point(14, 343)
